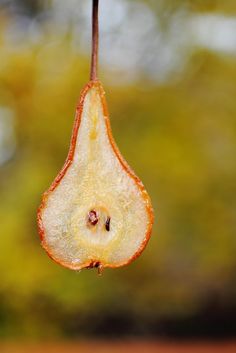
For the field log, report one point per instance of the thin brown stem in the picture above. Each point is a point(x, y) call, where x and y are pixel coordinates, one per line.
point(95, 38)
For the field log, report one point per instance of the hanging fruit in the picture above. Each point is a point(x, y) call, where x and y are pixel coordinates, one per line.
point(96, 213)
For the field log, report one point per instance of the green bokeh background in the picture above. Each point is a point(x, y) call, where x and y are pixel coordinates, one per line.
point(180, 138)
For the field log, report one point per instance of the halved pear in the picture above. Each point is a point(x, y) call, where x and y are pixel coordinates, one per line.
point(96, 213)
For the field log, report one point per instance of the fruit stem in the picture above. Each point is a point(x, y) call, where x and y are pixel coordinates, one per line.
point(95, 38)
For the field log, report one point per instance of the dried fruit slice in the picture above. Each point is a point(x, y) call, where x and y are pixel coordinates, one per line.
point(97, 212)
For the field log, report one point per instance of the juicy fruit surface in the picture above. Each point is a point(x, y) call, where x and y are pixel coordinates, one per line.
point(98, 213)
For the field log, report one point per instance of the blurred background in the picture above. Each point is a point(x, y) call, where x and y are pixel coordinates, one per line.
point(169, 71)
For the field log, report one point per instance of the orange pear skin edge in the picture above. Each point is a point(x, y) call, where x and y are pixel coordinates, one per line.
point(94, 263)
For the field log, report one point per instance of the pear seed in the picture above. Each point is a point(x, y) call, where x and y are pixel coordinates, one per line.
point(107, 224)
point(93, 217)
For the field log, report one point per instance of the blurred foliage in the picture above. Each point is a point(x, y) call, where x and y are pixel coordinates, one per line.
point(180, 138)
point(167, 6)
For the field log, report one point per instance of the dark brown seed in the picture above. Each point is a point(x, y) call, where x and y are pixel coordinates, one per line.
point(93, 217)
point(107, 224)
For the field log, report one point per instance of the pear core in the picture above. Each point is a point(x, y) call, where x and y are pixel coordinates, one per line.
point(96, 212)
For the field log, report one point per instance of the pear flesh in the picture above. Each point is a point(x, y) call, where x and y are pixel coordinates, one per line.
point(97, 212)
